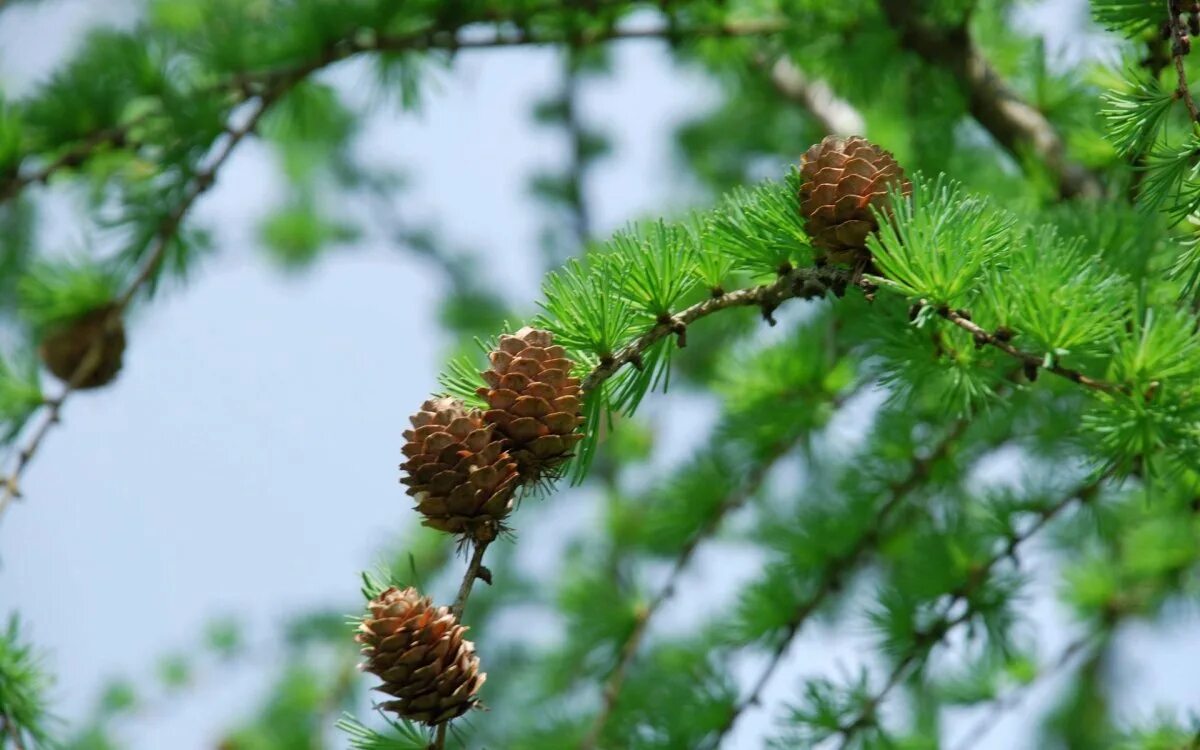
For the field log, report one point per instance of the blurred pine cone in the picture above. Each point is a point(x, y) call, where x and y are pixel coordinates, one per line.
point(65, 348)
point(458, 470)
point(534, 401)
point(842, 180)
point(420, 654)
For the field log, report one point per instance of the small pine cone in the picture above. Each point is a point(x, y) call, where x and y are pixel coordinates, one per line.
point(420, 654)
point(534, 401)
point(66, 347)
point(458, 470)
point(841, 180)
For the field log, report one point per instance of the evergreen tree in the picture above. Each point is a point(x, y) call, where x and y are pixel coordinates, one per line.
point(1006, 272)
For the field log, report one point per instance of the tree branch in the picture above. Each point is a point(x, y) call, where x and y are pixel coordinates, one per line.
point(961, 319)
point(167, 230)
point(452, 41)
point(944, 625)
point(9, 730)
point(474, 568)
point(1001, 705)
point(448, 38)
point(1180, 46)
point(837, 570)
point(1015, 124)
point(809, 283)
point(804, 283)
point(835, 115)
point(632, 643)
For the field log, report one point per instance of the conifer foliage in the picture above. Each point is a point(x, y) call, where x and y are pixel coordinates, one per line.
point(1001, 270)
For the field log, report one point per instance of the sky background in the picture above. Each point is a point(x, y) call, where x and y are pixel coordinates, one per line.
point(245, 460)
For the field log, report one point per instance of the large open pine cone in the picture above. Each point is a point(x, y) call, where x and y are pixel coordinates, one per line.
point(842, 180)
point(458, 470)
point(420, 654)
point(66, 347)
point(534, 401)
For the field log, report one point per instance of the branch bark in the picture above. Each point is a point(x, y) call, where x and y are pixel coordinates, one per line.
point(1015, 124)
point(835, 115)
point(1180, 46)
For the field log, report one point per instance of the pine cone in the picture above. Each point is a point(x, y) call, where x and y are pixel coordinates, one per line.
point(842, 179)
point(458, 470)
point(419, 653)
point(534, 401)
point(66, 346)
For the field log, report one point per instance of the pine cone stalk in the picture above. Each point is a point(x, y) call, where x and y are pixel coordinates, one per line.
point(534, 402)
point(418, 650)
point(842, 180)
point(458, 470)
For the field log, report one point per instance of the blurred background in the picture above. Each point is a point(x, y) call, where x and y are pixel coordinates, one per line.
point(186, 528)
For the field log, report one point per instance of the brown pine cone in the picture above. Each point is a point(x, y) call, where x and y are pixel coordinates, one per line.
point(535, 403)
point(458, 470)
point(420, 654)
point(66, 346)
point(842, 180)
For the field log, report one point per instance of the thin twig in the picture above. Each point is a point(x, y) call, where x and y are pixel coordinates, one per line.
point(73, 156)
point(1017, 126)
point(804, 283)
point(468, 581)
point(837, 570)
point(1180, 46)
point(460, 603)
point(942, 627)
point(924, 640)
point(981, 336)
point(807, 283)
point(247, 85)
point(164, 236)
point(834, 115)
point(629, 648)
point(451, 40)
point(9, 730)
point(1013, 699)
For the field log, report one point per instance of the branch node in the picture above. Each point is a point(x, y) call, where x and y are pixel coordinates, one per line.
point(680, 331)
point(484, 574)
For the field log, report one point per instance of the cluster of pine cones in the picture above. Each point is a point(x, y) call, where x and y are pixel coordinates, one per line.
point(465, 465)
point(463, 468)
